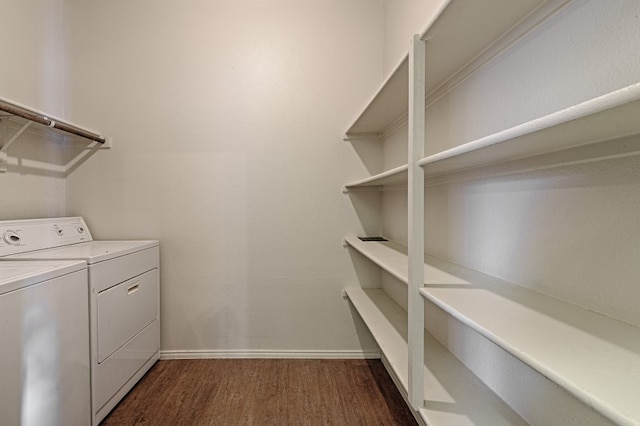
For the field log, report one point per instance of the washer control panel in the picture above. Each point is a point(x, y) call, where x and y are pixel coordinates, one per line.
point(20, 236)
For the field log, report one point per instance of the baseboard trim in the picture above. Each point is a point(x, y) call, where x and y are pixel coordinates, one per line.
point(267, 354)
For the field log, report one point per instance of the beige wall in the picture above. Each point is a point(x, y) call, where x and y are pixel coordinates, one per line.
point(227, 119)
point(32, 73)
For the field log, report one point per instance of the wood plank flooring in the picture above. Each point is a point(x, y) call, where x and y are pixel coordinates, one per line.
point(263, 392)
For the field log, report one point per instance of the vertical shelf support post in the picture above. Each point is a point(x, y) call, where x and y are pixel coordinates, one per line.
point(416, 221)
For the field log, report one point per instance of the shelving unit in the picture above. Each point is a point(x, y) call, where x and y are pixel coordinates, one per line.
point(453, 396)
point(22, 118)
point(594, 358)
point(543, 332)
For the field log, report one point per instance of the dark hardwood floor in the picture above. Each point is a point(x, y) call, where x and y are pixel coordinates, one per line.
point(263, 392)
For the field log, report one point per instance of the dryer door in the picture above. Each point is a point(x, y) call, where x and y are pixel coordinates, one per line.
point(125, 310)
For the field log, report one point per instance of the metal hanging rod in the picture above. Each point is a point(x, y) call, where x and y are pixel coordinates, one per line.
point(38, 117)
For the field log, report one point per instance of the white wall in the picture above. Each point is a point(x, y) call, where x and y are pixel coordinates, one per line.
point(227, 119)
point(32, 74)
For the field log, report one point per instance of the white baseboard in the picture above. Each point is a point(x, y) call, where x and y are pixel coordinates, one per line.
point(267, 354)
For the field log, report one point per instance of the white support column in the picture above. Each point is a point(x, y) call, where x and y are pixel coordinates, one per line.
point(416, 221)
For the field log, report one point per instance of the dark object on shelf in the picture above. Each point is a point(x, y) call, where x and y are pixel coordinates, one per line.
point(373, 239)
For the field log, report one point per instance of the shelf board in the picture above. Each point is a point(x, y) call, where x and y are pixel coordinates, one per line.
point(453, 395)
point(392, 257)
point(387, 322)
point(388, 255)
point(465, 35)
point(594, 357)
point(388, 104)
point(591, 123)
point(389, 177)
point(460, 39)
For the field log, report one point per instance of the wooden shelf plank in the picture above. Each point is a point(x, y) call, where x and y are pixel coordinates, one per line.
point(611, 116)
point(594, 357)
point(389, 177)
point(453, 395)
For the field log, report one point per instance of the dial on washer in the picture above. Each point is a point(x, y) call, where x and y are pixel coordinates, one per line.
point(11, 238)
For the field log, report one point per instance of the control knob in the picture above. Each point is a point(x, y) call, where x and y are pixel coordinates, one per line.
point(11, 238)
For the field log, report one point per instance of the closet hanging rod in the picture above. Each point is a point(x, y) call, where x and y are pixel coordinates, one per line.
point(38, 117)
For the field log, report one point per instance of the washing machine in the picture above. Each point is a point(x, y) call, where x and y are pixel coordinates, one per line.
point(44, 350)
point(124, 299)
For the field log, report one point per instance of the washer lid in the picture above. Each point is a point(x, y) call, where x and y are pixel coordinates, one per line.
point(18, 274)
point(91, 251)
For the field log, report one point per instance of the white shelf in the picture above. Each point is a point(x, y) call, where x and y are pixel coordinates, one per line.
point(614, 115)
point(461, 38)
point(453, 395)
point(595, 358)
point(467, 34)
point(387, 322)
point(389, 177)
point(392, 258)
point(387, 106)
point(388, 255)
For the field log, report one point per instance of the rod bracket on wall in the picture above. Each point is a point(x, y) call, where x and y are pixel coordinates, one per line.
point(7, 143)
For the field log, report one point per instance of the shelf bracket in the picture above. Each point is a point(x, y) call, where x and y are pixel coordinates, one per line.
point(107, 144)
point(372, 188)
point(7, 143)
point(374, 137)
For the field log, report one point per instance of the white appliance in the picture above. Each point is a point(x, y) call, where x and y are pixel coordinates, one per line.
point(124, 298)
point(44, 350)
